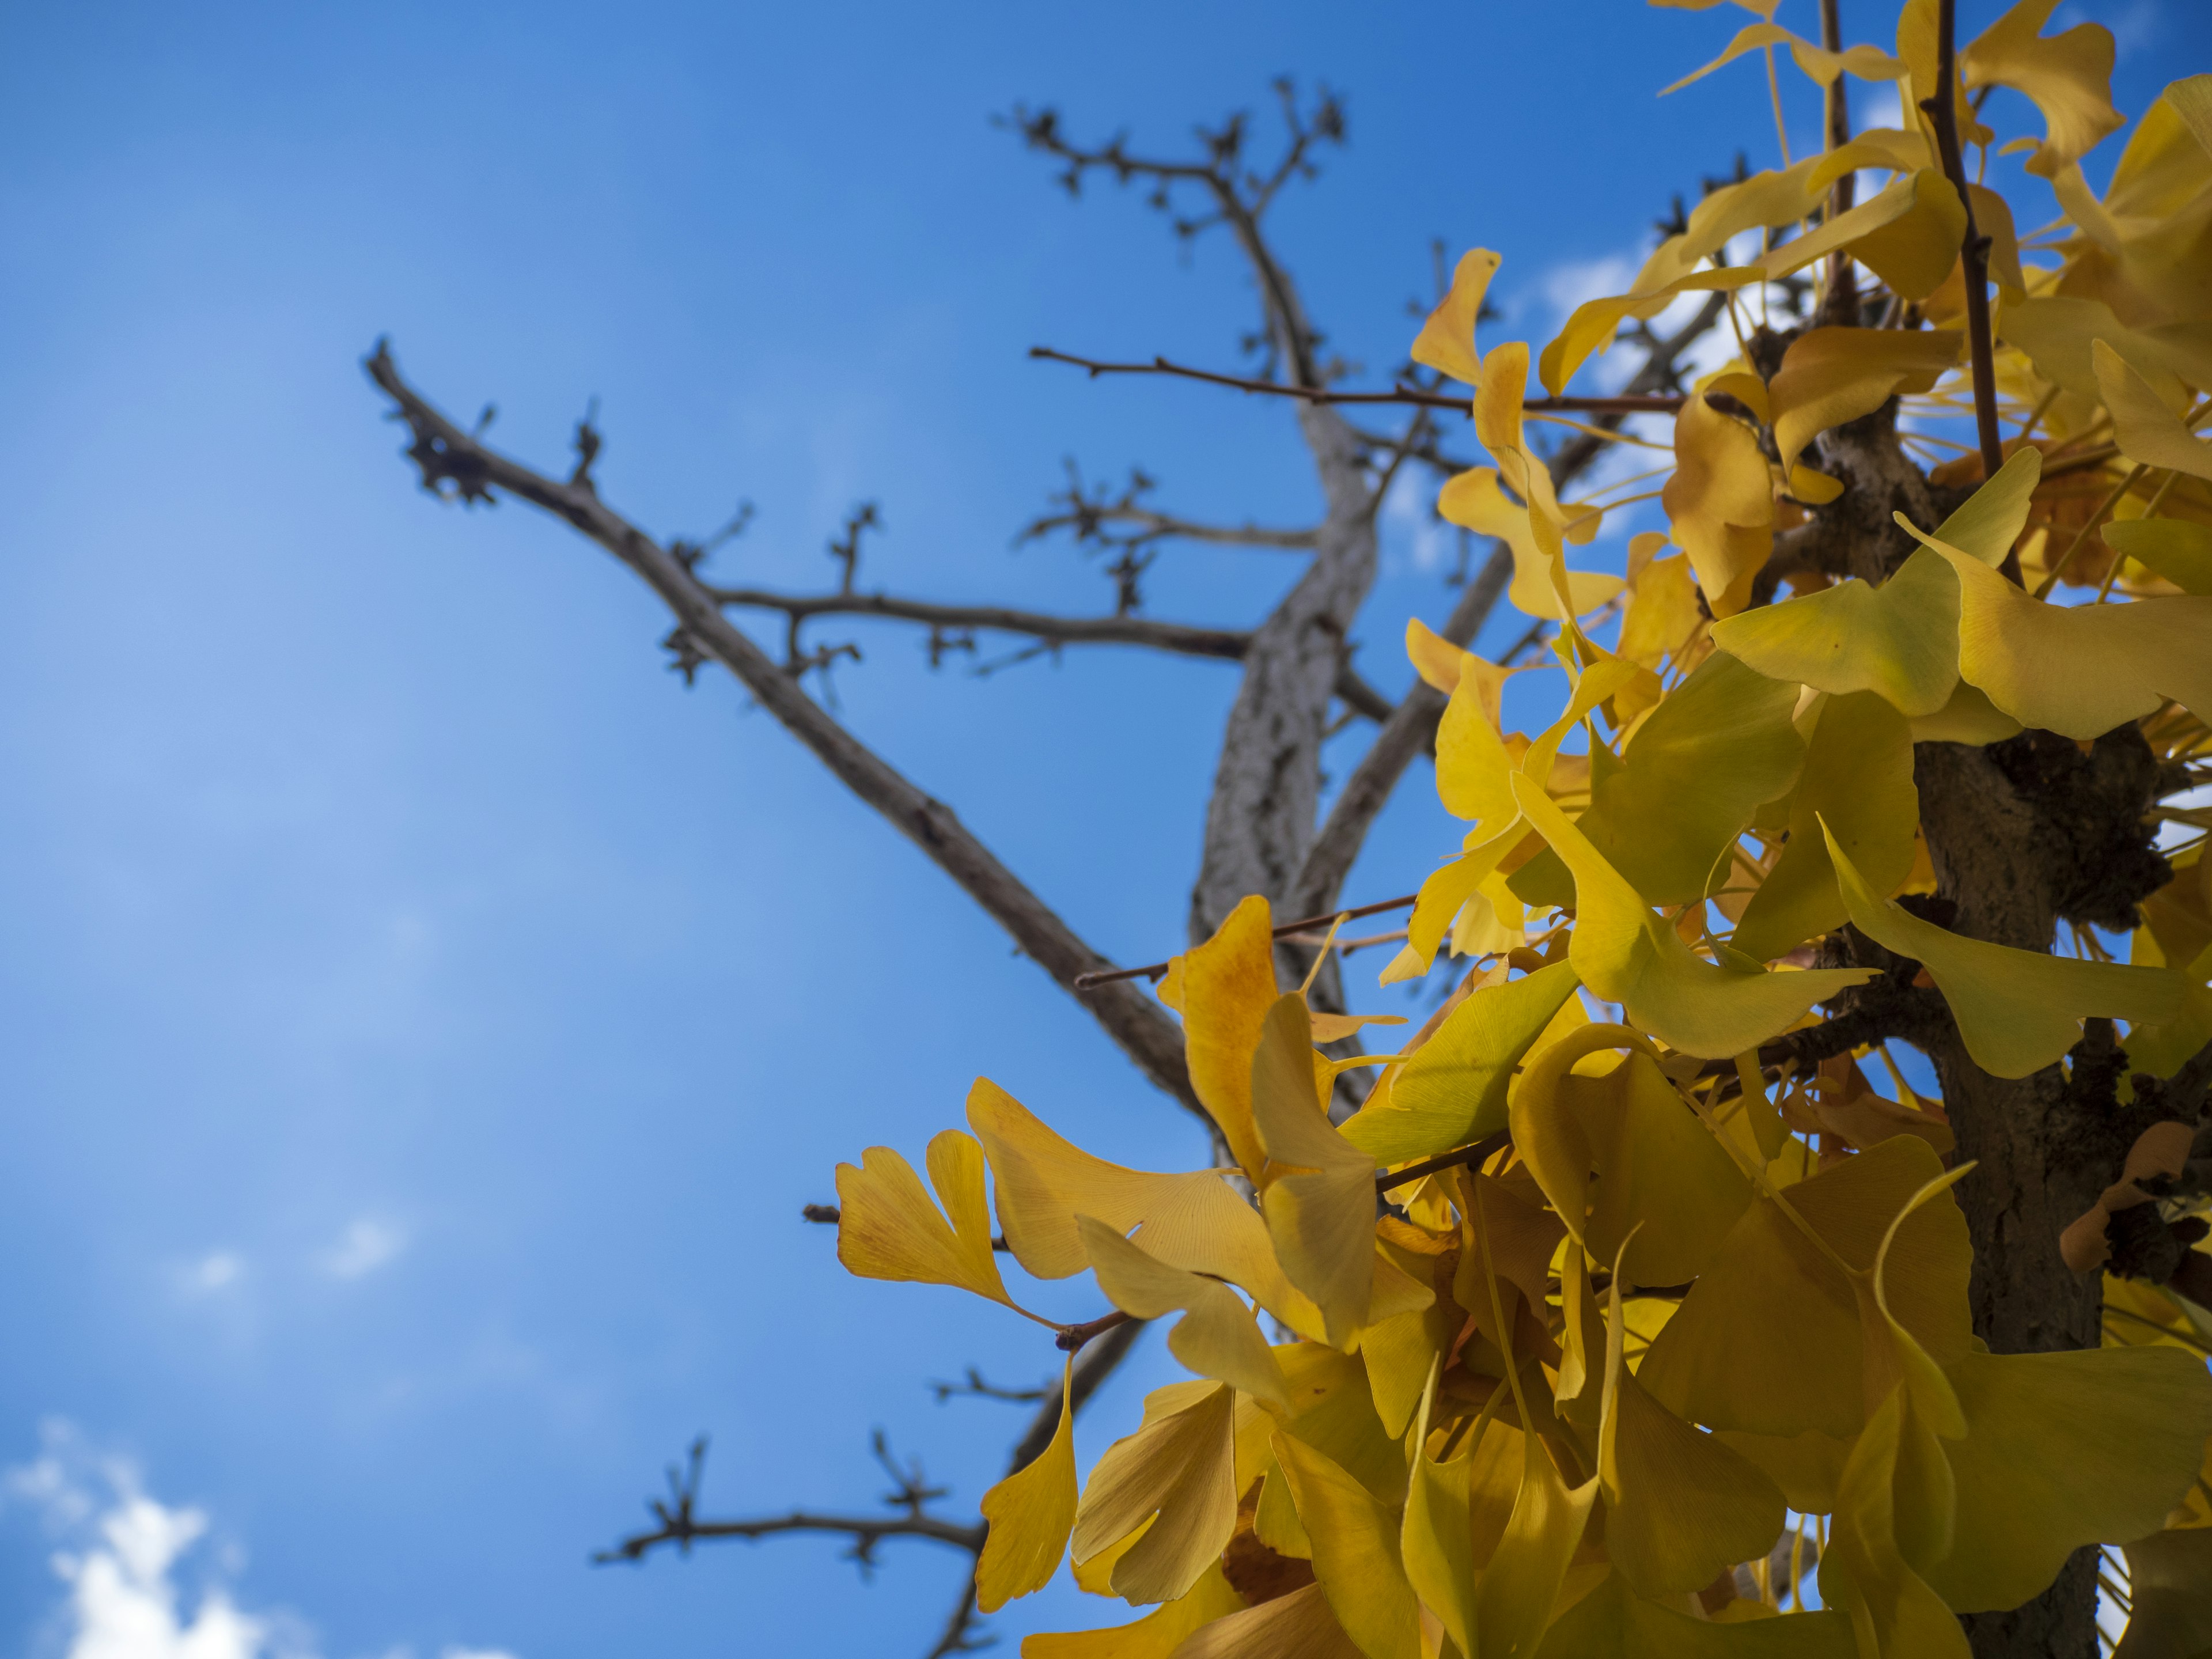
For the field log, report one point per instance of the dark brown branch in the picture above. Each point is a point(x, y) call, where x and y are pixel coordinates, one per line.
point(1974, 251)
point(1840, 304)
point(447, 456)
point(1149, 526)
point(1478, 1153)
point(1154, 969)
point(1400, 395)
point(1226, 643)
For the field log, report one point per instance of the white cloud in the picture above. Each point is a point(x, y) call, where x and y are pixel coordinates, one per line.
point(122, 1550)
point(363, 1248)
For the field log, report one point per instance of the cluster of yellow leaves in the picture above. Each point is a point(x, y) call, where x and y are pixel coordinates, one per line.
point(1553, 1410)
point(1667, 1333)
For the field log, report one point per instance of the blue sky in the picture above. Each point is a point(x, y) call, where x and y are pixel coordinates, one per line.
point(427, 1017)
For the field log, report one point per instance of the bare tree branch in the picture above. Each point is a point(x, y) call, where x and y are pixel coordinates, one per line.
point(1413, 397)
point(448, 457)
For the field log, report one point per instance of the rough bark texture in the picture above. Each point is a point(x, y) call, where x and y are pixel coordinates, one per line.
point(2022, 834)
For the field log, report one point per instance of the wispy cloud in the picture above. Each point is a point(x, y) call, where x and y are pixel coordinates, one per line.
point(218, 1270)
point(120, 1555)
point(364, 1247)
point(131, 1562)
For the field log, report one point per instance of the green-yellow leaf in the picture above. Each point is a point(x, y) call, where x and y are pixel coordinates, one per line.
point(2148, 431)
point(1858, 779)
point(2017, 1010)
point(2077, 669)
point(1513, 1603)
point(1627, 955)
point(2064, 1449)
point(1452, 1091)
point(1908, 235)
point(1720, 504)
point(1030, 1513)
point(1899, 641)
point(2176, 549)
point(1768, 1341)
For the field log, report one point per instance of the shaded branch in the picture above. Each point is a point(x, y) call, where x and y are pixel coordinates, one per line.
point(451, 460)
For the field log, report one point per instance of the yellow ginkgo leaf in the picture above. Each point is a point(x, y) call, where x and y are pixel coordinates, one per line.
point(2058, 332)
point(1680, 1505)
point(2064, 1449)
point(1193, 1221)
point(1447, 892)
point(1908, 235)
point(887, 1228)
point(1831, 375)
point(1989, 521)
point(1666, 1193)
point(1452, 1091)
point(1691, 776)
point(2147, 430)
point(2068, 76)
point(1627, 955)
point(1899, 641)
point(1181, 1467)
point(1298, 1625)
point(1158, 1635)
point(1030, 1513)
point(1612, 1622)
point(1515, 1598)
point(1318, 1195)
point(1499, 428)
point(2017, 1010)
point(1663, 610)
point(1355, 1541)
point(1822, 65)
point(1437, 1540)
point(1473, 501)
point(2176, 549)
point(1228, 984)
point(1443, 665)
point(2077, 669)
point(1720, 504)
point(1446, 342)
point(1217, 1336)
point(1857, 779)
point(1768, 1340)
point(1866, 1571)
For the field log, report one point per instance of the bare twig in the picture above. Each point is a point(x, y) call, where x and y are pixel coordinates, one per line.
point(1413, 396)
point(450, 459)
point(976, 1388)
point(1477, 1153)
point(1154, 969)
point(1974, 252)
